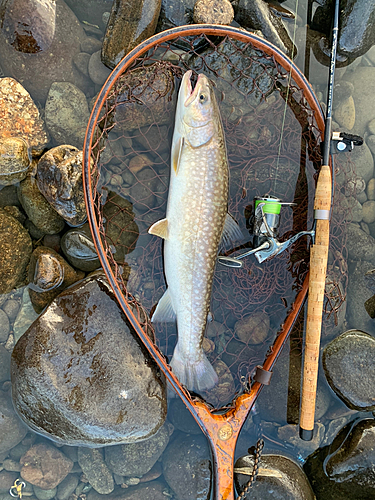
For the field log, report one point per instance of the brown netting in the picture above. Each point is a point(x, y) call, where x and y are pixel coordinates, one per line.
point(273, 142)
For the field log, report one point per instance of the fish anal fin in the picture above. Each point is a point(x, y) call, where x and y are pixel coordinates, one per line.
point(164, 310)
point(231, 233)
point(176, 153)
point(160, 228)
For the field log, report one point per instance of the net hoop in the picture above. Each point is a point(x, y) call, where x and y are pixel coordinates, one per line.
point(222, 429)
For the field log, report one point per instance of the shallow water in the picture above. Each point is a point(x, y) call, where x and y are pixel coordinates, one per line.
point(269, 288)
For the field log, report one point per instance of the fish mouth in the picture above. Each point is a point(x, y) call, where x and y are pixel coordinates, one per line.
point(191, 93)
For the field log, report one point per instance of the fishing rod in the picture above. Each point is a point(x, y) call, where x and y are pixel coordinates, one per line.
point(318, 260)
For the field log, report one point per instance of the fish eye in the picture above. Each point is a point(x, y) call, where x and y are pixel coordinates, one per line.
point(202, 98)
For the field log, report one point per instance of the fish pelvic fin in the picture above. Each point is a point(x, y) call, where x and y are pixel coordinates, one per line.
point(164, 310)
point(231, 233)
point(160, 228)
point(196, 376)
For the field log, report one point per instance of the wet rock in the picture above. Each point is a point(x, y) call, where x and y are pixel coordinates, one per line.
point(358, 293)
point(19, 115)
point(139, 17)
point(356, 16)
point(213, 12)
point(91, 382)
point(25, 317)
point(95, 470)
point(29, 26)
point(349, 369)
point(11, 308)
point(59, 178)
point(290, 434)
point(81, 60)
point(97, 71)
point(353, 462)
point(15, 252)
point(67, 114)
point(361, 78)
point(253, 329)
point(14, 160)
point(67, 487)
point(187, 467)
point(344, 114)
point(174, 14)
point(370, 141)
point(29, 68)
point(348, 471)
point(135, 460)
point(40, 212)
point(121, 230)
point(4, 362)
point(45, 466)
point(152, 86)
point(360, 245)
point(279, 477)
point(12, 430)
point(79, 249)
point(258, 15)
point(42, 494)
point(49, 274)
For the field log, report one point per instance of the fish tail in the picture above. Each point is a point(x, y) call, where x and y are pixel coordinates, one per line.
point(197, 375)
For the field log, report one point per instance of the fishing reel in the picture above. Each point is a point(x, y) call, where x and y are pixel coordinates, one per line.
point(265, 225)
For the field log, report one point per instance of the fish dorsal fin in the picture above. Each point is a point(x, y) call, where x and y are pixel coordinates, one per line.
point(231, 233)
point(176, 153)
point(164, 310)
point(160, 228)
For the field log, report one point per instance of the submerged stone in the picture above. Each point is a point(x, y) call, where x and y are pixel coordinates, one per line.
point(348, 363)
point(80, 375)
point(78, 247)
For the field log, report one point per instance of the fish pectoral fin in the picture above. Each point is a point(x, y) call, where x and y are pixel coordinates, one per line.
point(164, 310)
point(160, 228)
point(231, 232)
point(176, 153)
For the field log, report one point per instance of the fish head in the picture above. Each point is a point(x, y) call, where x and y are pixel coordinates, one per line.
point(197, 109)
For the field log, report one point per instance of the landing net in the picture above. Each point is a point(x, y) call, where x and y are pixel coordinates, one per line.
point(273, 128)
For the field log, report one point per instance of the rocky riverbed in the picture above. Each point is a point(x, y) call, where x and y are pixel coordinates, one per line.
point(84, 410)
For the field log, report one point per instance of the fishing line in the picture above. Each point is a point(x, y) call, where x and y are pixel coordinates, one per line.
point(286, 98)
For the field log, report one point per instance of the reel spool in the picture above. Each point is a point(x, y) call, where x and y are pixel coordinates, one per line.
point(265, 225)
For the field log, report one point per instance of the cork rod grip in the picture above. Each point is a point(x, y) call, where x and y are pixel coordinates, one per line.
point(318, 268)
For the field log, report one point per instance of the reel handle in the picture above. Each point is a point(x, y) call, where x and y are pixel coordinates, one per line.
point(317, 277)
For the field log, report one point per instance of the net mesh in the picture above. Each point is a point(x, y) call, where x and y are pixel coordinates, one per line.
point(273, 148)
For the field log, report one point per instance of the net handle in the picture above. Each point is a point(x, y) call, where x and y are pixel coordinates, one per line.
point(221, 430)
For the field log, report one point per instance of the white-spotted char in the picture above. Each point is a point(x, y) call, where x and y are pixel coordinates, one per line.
point(195, 223)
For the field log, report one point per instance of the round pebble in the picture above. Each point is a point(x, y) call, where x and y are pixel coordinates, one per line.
point(11, 308)
point(42, 494)
point(4, 326)
point(213, 12)
point(368, 212)
point(253, 329)
point(371, 189)
point(97, 71)
point(81, 61)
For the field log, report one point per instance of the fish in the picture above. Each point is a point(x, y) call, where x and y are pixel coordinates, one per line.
point(195, 228)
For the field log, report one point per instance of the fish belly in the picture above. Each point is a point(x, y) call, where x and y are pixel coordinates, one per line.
point(196, 213)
